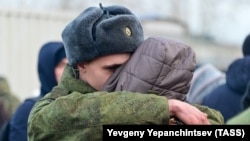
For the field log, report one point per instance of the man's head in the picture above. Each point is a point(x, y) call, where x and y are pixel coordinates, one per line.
point(51, 62)
point(98, 71)
point(101, 39)
point(101, 31)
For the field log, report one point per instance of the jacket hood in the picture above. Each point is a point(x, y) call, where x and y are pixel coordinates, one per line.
point(237, 75)
point(49, 56)
point(206, 78)
point(159, 65)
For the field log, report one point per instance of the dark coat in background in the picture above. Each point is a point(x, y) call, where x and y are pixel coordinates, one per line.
point(50, 55)
point(244, 116)
point(227, 97)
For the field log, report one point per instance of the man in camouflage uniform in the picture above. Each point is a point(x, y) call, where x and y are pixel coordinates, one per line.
point(8, 100)
point(97, 42)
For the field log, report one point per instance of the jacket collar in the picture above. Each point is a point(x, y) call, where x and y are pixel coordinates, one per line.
point(72, 83)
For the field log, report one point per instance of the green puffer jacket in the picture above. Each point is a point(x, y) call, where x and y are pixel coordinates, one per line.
point(74, 111)
point(241, 118)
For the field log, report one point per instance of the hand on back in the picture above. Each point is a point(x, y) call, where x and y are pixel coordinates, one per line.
point(187, 113)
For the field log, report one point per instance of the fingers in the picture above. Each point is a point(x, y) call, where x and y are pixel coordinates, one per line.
point(187, 113)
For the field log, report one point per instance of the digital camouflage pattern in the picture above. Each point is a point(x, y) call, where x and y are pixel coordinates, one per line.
point(214, 116)
point(10, 101)
point(75, 111)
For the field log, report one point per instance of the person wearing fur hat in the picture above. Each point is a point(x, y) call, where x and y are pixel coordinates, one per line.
point(97, 42)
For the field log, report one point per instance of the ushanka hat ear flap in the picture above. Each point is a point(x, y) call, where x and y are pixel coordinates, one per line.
point(101, 31)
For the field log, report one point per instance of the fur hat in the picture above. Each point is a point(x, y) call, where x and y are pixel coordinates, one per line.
point(101, 31)
point(246, 46)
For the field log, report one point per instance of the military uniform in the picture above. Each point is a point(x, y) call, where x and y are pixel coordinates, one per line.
point(75, 111)
point(10, 101)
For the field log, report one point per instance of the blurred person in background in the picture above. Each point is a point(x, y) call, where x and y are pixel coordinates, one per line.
point(227, 97)
point(51, 62)
point(244, 116)
point(206, 78)
point(232, 84)
point(9, 101)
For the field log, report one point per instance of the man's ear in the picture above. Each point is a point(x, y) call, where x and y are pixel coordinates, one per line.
point(81, 67)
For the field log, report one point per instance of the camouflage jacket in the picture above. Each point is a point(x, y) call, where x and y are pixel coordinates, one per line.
point(8, 98)
point(75, 111)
